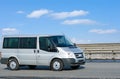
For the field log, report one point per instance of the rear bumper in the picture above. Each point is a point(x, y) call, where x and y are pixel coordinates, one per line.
point(4, 60)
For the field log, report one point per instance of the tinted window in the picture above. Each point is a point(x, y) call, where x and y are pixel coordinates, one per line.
point(61, 41)
point(46, 44)
point(43, 43)
point(10, 42)
point(29, 42)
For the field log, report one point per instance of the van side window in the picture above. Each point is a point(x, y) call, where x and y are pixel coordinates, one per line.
point(11, 42)
point(28, 42)
point(43, 43)
point(46, 44)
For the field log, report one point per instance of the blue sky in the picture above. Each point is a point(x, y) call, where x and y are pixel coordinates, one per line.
point(83, 21)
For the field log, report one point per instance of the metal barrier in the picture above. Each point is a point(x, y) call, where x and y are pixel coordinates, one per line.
point(102, 54)
point(101, 50)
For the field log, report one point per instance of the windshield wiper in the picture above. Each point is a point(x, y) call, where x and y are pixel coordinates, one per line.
point(72, 46)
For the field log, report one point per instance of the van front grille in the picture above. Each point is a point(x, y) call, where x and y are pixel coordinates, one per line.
point(78, 55)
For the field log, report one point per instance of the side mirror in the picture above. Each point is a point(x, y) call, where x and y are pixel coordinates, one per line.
point(75, 44)
point(52, 49)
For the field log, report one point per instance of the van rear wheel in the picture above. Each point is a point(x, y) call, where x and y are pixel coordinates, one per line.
point(56, 65)
point(13, 64)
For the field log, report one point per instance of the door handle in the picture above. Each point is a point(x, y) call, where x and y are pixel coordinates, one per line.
point(34, 51)
point(37, 51)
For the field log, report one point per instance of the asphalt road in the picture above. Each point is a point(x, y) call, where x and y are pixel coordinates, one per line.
point(89, 70)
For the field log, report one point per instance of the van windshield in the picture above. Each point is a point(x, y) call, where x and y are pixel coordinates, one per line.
point(61, 41)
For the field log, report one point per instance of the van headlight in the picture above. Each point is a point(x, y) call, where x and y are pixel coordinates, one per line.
point(70, 54)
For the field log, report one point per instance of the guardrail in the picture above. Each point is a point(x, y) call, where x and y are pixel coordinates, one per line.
point(102, 54)
point(101, 51)
point(112, 56)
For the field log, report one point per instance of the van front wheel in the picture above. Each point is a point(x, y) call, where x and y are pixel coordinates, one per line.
point(13, 64)
point(57, 65)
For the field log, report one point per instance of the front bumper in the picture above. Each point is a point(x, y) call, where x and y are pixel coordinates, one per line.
point(73, 62)
point(79, 62)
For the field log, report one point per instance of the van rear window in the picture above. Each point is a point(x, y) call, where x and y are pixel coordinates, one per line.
point(10, 42)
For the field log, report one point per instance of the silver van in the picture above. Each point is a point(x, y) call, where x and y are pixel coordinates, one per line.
point(55, 51)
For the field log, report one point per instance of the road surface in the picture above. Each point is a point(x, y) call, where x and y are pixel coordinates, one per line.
point(89, 70)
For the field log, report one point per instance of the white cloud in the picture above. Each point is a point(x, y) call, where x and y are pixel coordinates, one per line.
point(20, 12)
point(8, 31)
point(79, 21)
point(101, 31)
point(80, 41)
point(63, 15)
point(38, 13)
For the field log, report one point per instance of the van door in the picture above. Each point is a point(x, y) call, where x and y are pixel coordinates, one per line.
point(27, 47)
point(46, 52)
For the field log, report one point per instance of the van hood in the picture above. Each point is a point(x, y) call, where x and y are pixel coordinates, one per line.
point(70, 49)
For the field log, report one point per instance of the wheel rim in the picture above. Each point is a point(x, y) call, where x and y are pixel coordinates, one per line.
point(12, 65)
point(56, 65)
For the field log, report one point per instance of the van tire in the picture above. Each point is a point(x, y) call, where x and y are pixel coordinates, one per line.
point(56, 65)
point(13, 64)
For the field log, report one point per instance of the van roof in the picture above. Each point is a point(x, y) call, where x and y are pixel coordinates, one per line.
point(30, 35)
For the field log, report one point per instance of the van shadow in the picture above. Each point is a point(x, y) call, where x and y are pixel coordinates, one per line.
point(45, 68)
